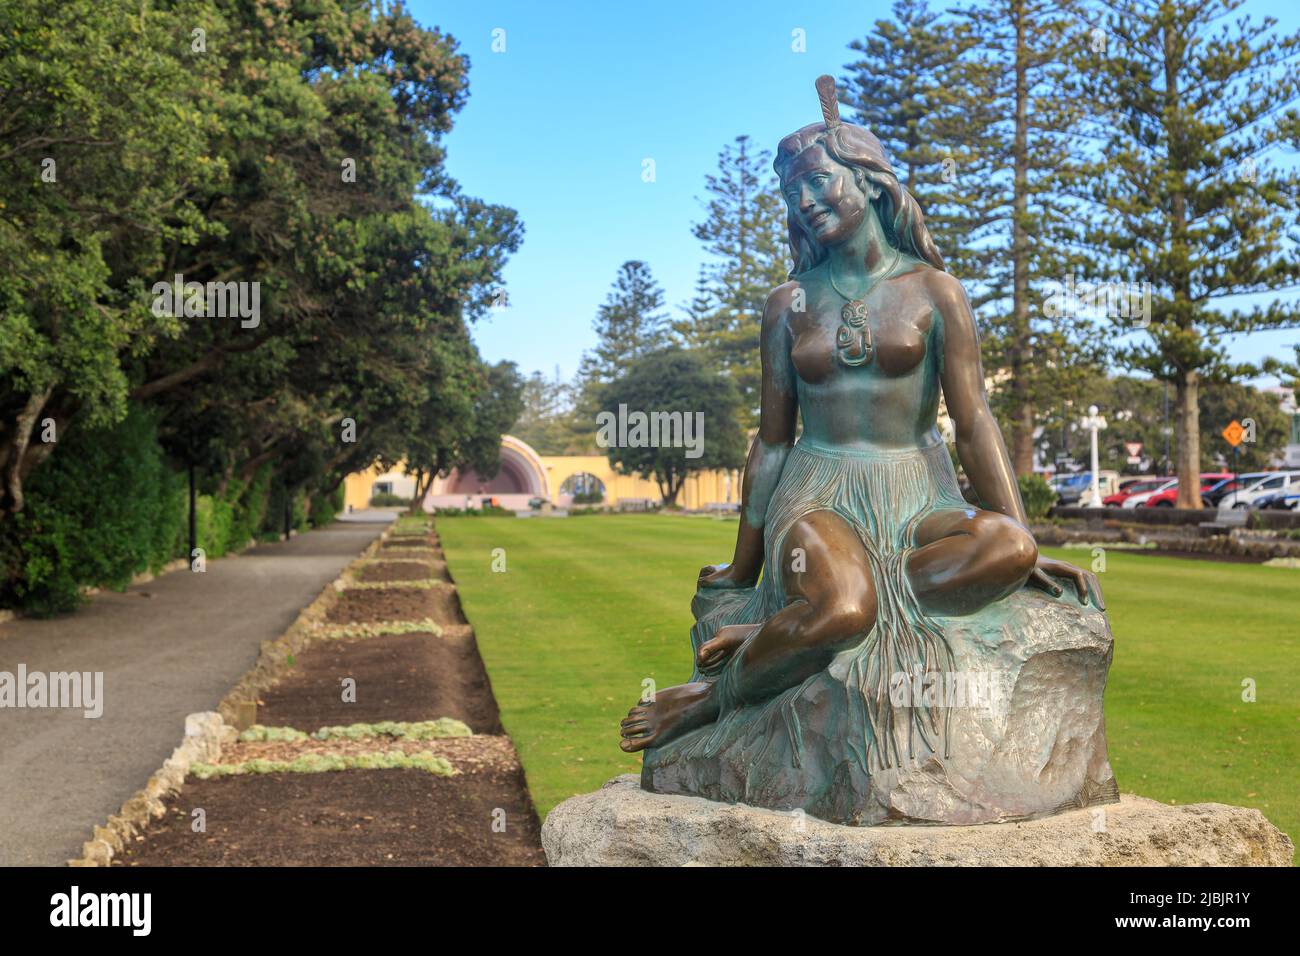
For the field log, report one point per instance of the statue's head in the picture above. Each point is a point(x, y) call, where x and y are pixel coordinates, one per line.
point(832, 175)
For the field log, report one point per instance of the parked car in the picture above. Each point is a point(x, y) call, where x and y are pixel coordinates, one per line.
point(1169, 497)
point(1275, 481)
point(1072, 488)
point(1225, 488)
point(1141, 486)
point(1288, 499)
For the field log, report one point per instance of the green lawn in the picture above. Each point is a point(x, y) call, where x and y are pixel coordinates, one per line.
point(590, 606)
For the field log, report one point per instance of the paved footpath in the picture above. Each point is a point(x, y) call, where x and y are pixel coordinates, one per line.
point(167, 648)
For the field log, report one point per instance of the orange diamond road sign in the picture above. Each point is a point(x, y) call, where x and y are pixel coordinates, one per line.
point(1234, 433)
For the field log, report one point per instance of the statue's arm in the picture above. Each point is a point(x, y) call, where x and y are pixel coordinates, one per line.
point(980, 447)
point(979, 440)
point(778, 414)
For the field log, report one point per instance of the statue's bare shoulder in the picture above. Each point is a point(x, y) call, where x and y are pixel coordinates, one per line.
point(776, 312)
point(945, 292)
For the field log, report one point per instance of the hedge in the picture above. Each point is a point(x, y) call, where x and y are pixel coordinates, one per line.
point(104, 508)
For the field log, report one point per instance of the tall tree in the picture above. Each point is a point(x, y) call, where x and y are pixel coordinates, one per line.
point(706, 425)
point(744, 232)
point(548, 420)
point(915, 86)
point(1032, 246)
point(971, 107)
point(104, 156)
point(300, 147)
point(630, 324)
point(1193, 103)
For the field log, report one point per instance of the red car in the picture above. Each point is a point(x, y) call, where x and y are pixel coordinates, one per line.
point(1139, 487)
point(1169, 497)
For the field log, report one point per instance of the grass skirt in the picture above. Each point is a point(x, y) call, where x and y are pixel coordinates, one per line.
point(884, 496)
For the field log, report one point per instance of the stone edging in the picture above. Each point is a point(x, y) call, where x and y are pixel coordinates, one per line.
point(273, 662)
point(206, 733)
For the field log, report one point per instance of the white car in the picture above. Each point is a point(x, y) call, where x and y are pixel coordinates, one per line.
point(1277, 481)
point(1132, 501)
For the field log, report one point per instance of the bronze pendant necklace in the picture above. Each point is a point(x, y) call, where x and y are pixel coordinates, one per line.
point(853, 343)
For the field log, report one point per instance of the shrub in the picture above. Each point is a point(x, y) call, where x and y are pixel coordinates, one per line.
point(326, 507)
point(104, 508)
point(227, 520)
point(273, 518)
point(488, 510)
point(1037, 496)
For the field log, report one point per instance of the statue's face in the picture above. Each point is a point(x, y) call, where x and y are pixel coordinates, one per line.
point(824, 196)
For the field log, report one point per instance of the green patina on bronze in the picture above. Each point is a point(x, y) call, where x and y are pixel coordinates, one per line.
point(876, 575)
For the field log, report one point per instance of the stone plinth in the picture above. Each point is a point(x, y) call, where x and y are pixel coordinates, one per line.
point(623, 825)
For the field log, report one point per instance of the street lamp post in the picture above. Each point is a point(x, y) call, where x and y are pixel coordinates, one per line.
point(1094, 423)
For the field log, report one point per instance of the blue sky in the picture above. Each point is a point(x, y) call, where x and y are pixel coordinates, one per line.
point(559, 124)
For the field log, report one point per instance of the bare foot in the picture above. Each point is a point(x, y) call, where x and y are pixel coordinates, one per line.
point(673, 712)
point(724, 643)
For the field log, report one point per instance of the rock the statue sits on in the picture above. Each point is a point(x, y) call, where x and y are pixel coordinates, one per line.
point(1026, 735)
point(880, 650)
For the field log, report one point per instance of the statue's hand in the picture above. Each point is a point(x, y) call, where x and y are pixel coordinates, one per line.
point(1085, 583)
point(721, 576)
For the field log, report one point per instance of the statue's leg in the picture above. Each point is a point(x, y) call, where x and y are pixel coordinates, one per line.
point(966, 558)
point(831, 605)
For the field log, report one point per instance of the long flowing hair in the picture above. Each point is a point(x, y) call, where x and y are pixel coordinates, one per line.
point(857, 148)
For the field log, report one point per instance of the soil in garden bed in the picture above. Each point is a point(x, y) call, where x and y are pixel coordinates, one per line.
point(407, 544)
point(402, 571)
point(407, 677)
point(347, 818)
point(361, 605)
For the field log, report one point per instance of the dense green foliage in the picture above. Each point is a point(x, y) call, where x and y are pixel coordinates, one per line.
point(1193, 103)
point(1136, 411)
point(79, 528)
point(292, 151)
point(1037, 495)
point(549, 421)
point(706, 406)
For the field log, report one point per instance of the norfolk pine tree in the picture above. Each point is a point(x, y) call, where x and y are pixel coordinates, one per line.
point(1186, 196)
point(746, 235)
point(972, 110)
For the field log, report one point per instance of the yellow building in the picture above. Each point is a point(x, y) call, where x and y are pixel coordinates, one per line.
point(525, 475)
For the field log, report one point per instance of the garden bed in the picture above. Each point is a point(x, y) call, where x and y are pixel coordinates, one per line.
point(1239, 545)
point(362, 605)
point(404, 569)
point(348, 818)
point(448, 791)
point(398, 677)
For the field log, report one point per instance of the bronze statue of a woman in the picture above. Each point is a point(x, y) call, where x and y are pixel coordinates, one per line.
point(874, 568)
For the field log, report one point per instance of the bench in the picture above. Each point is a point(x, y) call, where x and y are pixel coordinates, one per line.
point(1225, 519)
